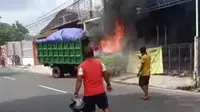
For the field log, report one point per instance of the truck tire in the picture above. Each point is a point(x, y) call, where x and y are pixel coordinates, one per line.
point(57, 72)
point(72, 72)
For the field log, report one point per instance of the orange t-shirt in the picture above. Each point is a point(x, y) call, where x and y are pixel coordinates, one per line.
point(91, 71)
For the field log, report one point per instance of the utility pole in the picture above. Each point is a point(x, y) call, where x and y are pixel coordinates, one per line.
point(196, 40)
point(165, 35)
point(76, 7)
point(91, 9)
point(0, 18)
point(104, 11)
point(104, 3)
point(158, 40)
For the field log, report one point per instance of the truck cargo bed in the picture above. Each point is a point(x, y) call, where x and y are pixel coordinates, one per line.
point(60, 52)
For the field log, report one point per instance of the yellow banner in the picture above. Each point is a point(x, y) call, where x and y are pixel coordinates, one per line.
point(156, 62)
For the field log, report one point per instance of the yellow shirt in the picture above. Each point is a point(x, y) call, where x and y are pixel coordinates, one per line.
point(146, 60)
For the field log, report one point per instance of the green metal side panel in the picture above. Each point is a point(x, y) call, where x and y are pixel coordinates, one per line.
point(60, 53)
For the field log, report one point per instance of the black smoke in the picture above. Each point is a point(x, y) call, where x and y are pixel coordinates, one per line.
point(126, 12)
point(178, 20)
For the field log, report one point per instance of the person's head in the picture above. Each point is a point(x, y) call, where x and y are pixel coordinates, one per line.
point(88, 51)
point(143, 50)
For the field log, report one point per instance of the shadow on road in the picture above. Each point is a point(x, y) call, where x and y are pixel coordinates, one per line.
point(122, 103)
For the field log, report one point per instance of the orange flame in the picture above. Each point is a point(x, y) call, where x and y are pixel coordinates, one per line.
point(112, 43)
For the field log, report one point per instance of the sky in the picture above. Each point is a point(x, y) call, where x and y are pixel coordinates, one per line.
point(27, 11)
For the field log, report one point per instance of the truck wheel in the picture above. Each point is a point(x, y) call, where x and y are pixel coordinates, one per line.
point(73, 72)
point(57, 72)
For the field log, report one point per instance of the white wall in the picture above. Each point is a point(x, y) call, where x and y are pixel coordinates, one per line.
point(26, 61)
point(27, 49)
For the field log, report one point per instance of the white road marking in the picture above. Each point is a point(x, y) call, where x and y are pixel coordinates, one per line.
point(57, 90)
point(10, 78)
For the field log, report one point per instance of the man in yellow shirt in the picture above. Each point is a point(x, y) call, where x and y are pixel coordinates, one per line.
point(144, 72)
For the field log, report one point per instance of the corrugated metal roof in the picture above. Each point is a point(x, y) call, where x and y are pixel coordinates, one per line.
point(160, 4)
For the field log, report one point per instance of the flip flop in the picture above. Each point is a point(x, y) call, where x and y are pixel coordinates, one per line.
point(145, 98)
point(149, 97)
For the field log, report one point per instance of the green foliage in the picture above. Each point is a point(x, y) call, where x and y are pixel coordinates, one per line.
point(115, 63)
point(14, 32)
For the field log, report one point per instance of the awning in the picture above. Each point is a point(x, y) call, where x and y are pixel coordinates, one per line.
point(153, 5)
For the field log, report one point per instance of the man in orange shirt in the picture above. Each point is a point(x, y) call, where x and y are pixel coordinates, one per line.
point(144, 72)
point(92, 71)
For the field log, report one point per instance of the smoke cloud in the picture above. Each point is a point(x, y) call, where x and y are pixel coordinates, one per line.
point(123, 11)
point(127, 12)
point(95, 30)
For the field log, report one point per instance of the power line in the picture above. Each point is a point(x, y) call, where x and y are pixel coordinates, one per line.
point(37, 23)
point(46, 18)
point(48, 13)
point(53, 10)
point(52, 14)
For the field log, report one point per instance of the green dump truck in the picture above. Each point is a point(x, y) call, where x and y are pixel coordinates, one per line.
point(62, 57)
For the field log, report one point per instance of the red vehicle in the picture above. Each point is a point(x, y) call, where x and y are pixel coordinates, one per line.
point(2, 56)
point(3, 61)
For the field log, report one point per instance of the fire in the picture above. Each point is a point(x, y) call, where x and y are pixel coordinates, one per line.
point(112, 43)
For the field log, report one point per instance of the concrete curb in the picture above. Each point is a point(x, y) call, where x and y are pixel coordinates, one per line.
point(161, 88)
point(136, 84)
point(126, 83)
point(119, 82)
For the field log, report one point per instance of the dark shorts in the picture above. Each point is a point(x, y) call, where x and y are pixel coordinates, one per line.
point(144, 80)
point(100, 100)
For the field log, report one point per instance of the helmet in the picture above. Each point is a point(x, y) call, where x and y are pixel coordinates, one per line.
point(77, 105)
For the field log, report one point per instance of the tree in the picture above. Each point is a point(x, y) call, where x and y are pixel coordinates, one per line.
point(20, 31)
point(6, 33)
point(14, 32)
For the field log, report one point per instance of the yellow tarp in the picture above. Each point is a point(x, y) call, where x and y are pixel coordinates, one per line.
point(156, 62)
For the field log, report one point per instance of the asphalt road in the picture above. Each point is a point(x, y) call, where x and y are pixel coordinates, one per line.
point(29, 92)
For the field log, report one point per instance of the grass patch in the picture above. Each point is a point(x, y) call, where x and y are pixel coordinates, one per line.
point(115, 63)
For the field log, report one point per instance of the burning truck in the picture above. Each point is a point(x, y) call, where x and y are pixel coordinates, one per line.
point(112, 33)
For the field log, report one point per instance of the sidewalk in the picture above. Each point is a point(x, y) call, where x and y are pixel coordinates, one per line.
point(34, 69)
point(168, 82)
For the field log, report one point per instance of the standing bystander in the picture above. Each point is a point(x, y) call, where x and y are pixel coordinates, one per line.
point(144, 72)
point(92, 71)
